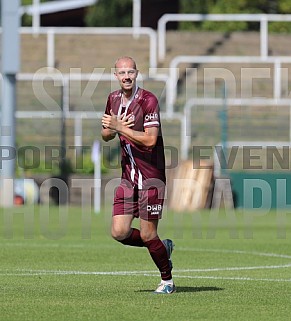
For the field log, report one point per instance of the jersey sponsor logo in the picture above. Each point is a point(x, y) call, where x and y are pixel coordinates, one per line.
point(152, 116)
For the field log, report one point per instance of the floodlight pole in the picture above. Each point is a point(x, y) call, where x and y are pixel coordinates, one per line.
point(10, 21)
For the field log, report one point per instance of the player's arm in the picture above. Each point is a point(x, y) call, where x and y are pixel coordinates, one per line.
point(121, 124)
point(148, 138)
point(107, 134)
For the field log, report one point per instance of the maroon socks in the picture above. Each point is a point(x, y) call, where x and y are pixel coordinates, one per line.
point(156, 249)
point(134, 239)
point(159, 255)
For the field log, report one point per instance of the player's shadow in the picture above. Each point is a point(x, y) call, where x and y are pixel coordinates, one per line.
point(184, 289)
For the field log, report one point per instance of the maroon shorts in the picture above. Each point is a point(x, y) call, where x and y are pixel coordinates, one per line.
point(144, 203)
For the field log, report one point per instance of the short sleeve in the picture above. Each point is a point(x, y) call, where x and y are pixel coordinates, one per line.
point(108, 106)
point(151, 113)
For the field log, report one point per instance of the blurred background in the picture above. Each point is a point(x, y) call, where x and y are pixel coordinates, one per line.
point(221, 71)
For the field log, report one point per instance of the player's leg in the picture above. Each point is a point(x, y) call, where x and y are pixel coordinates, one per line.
point(151, 206)
point(125, 208)
point(159, 254)
point(121, 226)
point(122, 231)
point(157, 249)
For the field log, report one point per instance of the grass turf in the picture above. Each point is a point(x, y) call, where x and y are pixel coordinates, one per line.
point(61, 264)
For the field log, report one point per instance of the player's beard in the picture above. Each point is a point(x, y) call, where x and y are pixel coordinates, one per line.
point(127, 86)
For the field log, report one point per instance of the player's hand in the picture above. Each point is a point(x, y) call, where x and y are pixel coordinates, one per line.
point(115, 122)
point(127, 120)
point(106, 120)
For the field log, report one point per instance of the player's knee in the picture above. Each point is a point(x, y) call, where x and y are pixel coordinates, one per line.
point(119, 233)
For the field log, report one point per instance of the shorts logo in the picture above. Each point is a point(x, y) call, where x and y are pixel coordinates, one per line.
point(153, 116)
point(154, 209)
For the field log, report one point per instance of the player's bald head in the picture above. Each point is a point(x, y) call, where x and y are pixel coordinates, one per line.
point(125, 59)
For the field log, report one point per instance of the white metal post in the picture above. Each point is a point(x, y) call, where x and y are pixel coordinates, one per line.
point(51, 48)
point(97, 175)
point(277, 79)
point(136, 17)
point(8, 151)
point(78, 136)
point(10, 67)
point(36, 17)
point(264, 37)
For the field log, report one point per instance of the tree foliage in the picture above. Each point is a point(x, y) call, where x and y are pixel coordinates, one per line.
point(113, 13)
point(118, 13)
point(26, 20)
point(238, 6)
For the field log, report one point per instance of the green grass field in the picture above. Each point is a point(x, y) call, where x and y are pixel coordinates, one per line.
point(61, 264)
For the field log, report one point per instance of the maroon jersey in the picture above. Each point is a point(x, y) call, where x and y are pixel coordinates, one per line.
point(140, 164)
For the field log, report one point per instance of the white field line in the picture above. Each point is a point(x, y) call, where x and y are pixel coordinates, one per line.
point(182, 249)
point(138, 273)
point(60, 272)
point(240, 268)
point(56, 272)
point(232, 278)
point(189, 249)
point(23, 272)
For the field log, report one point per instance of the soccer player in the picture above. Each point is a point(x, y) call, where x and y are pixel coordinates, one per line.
point(132, 113)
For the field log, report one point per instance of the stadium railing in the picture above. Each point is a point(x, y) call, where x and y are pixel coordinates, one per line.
point(263, 19)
